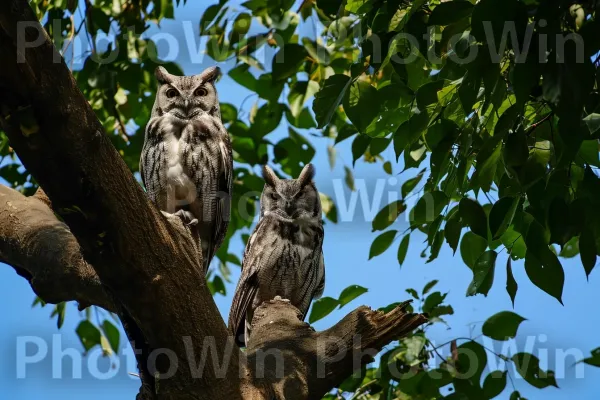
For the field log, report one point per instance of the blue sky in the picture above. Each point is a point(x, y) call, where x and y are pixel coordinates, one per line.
point(550, 329)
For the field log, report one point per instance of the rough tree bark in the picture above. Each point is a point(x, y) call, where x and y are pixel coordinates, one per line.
point(112, 248)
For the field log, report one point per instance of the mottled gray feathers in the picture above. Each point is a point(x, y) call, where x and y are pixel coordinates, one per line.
point(186, 163)
point(283, 256)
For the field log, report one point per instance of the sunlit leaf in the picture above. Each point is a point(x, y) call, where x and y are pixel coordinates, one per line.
point(322, 308)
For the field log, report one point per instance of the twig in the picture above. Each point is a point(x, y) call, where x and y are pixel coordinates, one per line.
point(122, 130)
point(537, 124)
point(88, 13)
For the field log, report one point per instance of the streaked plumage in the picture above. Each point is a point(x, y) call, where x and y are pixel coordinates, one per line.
point(283, 256)
point(186, 162)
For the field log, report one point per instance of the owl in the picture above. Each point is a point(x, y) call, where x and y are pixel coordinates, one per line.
point(186, 163)
point(284, 255)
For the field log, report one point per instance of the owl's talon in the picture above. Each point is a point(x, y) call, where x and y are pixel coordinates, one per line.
point(187, 217)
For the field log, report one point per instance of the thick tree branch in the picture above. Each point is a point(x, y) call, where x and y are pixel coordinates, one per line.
point(43, 250)
point(289, 360)
point(152, 269)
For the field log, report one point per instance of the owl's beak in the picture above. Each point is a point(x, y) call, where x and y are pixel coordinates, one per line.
point(289, 208)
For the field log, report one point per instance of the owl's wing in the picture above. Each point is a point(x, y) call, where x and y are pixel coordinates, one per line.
point(242, 301)
point(321, 286)
point(247, 287)
point(151, 155)
point(224, 193)
point(316, 279)
point(142, 169)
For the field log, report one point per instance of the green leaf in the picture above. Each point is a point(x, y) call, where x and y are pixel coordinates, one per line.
point(502, 326)
point(440, 310)
point(594, 360)
point(483, 274)
point(593, 122)
point(494, 384)
point(267, 119)
point(361, 104)
point(410, 184)
point(359, 146)
point(469, 90)
point(516, 396)
point(382, 243)
point(88, 334)
point(331, 155)
point(387, 167)
point(241, 25)
point(349, 178)
point(59, 310)
point(452, 231)
point(388, 215)
point(474, 216)
point(300, 92)
point(587, 250)
point(322, 308)
point(242, 76)
point(351, 293)
point(316, 51)
point(166, 9)
point(358, 6)
point(287, 61)
point(329, 98)
point(428, 93)
point(471, 362)
point(112, 334)
point(105, 345)
point(428, 208)
point(429, 286)
point(38, 300)
point(511, 283)
point(486, 170)
point(497, 14)
point(433, 300)
point(403, 249)
point(528, 366)
point(436, 244)
point(501, 215)
point(413, 293)
point(516, 151)
point(542, 266)
point(526, 76)
point(208, 17)
point(329, 208)
point(449, 12)
point(228, 112)
point(218, 285)
point(409, 131)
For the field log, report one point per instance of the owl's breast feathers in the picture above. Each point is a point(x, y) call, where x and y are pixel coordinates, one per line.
point(184, 160)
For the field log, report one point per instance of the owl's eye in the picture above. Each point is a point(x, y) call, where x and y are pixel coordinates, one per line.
point(200, 92)
point(274, 196)
point(172, 93)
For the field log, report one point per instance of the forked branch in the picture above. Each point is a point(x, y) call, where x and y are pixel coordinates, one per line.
point(43, 250)
point(291, 361)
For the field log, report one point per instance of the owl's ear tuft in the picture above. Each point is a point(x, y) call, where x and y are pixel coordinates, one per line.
point(162, 76)
point(269, 175)
point(209, 75)
point(307, 175)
